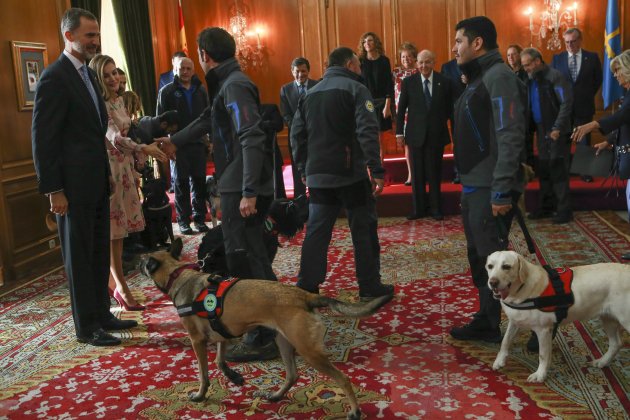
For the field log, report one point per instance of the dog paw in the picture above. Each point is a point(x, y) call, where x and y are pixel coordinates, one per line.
point(600, 363)
point(537, 377)
point(498, 365)
point(196, 396)
point(235, 377)
point(354, 415)
point(273, 396)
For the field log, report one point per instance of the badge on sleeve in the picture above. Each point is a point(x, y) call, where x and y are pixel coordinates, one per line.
point(369, 106)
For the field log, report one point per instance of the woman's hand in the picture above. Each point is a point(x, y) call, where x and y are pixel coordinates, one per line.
point(153, 150)
point(601, 146)
point(582, 130)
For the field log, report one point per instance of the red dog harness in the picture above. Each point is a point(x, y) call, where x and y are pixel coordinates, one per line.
point(557, 297)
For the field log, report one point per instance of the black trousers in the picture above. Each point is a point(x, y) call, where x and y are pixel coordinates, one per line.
point(485, 234)
point(85, 242)
point(189, 173)
point(426, 167)
point(553, 172)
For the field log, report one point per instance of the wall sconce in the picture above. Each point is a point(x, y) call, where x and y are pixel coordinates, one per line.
point(552, 20)
point(249, 55)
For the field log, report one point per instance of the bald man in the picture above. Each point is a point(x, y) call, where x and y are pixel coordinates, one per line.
point(428, 99)
point(189, 98)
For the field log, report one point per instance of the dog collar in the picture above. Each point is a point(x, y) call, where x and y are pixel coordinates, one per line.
point(176, 273)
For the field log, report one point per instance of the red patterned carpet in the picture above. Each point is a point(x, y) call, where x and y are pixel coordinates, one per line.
point(401, 361)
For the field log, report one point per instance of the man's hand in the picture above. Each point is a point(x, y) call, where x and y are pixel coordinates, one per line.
point(377, 186)
point(554, 135)
point(248, 206)
point(501, 209)
point(387, 112)
point(58, 203)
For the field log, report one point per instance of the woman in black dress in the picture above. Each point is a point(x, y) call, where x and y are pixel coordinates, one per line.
point(377, 73)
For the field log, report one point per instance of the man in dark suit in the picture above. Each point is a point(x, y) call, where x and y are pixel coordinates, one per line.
point(289, 97)
point(68, 135)
point(427, 98)
point(584, 71)
point(451, 71)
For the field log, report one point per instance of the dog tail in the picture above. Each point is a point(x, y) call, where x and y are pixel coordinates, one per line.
point(352, 310)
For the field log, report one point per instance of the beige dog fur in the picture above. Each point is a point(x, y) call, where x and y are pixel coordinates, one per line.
point(600, 290)
point(251, 303)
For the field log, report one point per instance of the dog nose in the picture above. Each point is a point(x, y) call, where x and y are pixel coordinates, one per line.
point(493, 282)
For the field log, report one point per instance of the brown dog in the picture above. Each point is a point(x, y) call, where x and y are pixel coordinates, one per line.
point(251, 303)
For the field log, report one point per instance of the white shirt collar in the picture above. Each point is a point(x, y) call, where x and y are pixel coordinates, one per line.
point(430, 78)
point(75, 61)
point(577, 54)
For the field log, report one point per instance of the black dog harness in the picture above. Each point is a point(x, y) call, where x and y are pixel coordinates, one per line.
point(557, 297)
point(209, 303)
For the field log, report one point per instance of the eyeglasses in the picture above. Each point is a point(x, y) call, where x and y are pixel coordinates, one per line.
point(572, 41)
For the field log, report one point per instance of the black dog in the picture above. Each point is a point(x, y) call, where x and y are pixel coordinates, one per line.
point(157, 214)
point(285, 217)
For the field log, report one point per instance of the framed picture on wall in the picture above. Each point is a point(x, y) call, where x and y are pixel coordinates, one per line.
point(29, 60)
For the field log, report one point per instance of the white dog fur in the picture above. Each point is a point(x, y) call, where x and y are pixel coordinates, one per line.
point(600, 290)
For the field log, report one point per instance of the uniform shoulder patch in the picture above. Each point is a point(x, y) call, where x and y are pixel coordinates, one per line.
point(369, 106)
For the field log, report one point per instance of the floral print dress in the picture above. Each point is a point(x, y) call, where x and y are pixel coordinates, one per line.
point(125, 211)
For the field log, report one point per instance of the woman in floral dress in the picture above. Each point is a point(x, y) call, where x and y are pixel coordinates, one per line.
point(125, 207)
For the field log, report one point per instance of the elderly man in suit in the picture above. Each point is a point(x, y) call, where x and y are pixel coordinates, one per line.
point(68, 135)
point(290, 94)
point(428, 99)
point(584, 71)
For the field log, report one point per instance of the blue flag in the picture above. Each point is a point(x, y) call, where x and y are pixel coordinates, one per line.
point(611, 91)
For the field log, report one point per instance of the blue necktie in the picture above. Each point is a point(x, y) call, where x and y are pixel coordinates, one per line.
point(88, 84)
point(573, 67)
point(427, 93)
point(301, 90)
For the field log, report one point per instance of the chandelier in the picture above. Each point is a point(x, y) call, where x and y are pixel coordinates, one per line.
point(552, 20)
point(248, 55)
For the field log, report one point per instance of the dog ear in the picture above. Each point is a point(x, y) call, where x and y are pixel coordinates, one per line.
point(152, 265)
point(176, 248)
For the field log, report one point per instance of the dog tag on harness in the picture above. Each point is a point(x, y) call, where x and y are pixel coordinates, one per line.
point(210, 302)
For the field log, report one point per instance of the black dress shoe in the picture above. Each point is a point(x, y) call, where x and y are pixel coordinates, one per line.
point(456, 180)
point(626, 256)
point(114, 324)
point(437, 216)
point(407, 183)
point(586, 178)
point(99, 338)
point(540, 214)
point(415, 216)
point(561, 218)
point(201, 227)
point(185, 230)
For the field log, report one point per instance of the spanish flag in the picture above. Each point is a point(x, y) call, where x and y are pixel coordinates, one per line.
point(182, 30)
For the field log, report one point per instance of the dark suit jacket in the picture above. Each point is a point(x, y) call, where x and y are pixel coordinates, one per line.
point(68, 137)
point(289, 97)
point(165, 78)
point(424, 125)
point(588, 82)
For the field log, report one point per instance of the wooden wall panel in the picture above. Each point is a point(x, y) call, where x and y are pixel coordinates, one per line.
point(22, 209)
point(432, 17)
point(349, 19)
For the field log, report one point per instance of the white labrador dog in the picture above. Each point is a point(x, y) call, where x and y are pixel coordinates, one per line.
point(600, 290)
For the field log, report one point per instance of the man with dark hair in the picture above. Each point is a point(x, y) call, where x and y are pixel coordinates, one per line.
point(188, 97)
point(68, 135)
point(243, 169)
point(168, 76)
point(334, 136)
point(290, 94)
point(583, 71)
point(489, 145)
point(550, 102)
